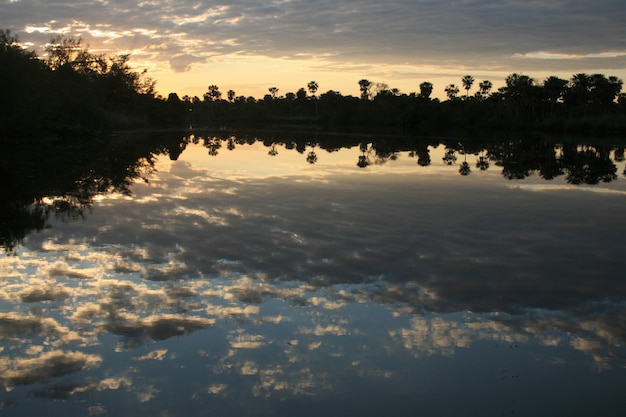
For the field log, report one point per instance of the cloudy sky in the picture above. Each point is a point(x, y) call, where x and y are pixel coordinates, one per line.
point(251, 45)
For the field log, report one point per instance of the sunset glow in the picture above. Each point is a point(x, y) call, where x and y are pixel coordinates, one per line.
point(249, 46)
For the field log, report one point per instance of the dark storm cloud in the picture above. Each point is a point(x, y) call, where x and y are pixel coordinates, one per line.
point(491, 34)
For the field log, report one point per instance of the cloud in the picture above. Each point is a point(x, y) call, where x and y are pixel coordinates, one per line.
point(286, 381)
point(183, 62)
point(472, 33)
point(241, 340)
point(154, 355)
point(329, 329)
point(137, 330)
point(23, 371)
point(62, 391)
point(563, 56)
point(22, 328)
point(217, 389)
point(33, 295)
point(249, 368)
point(114, 383)
point(436, 336)
point(61, 270)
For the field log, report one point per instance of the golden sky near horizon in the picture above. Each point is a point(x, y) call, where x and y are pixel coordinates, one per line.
point(251, 45)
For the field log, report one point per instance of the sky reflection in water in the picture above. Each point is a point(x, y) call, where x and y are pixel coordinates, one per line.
point(245, 284)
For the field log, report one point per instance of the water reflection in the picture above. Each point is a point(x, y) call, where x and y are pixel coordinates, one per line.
point(191, 284)
point(64, 178)
point(580, 163)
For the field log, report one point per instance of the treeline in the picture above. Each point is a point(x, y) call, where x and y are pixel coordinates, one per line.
point(584, 102)
point(73, 91)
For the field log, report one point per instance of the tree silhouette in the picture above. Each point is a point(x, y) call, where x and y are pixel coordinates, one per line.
point(69, 176)
point(68, 53)
point(230, 143)
point(451, 91)
point(522, 92)
point(483, 162)
point(312, 86)
point(426, 89)
point(74, 90)
point(423, 156)
point(484, 88)
point(213, 93)
point(464, 169)
point(311, 157)
point(604, 90)
point(588, 165)
point(467, 81)
point(519, 86)
point(301, 94)
point(213, 144)
point(363, 160)
point(591, 93)
point(364, 87)
point(577, 94)
point(554, 88)
point(449, 158)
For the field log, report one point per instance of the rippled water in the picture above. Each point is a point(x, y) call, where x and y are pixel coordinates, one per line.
point(253, 282)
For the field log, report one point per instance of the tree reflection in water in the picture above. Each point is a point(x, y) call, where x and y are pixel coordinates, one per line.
point(68, 175)
point(63, 177)
point(275, 291)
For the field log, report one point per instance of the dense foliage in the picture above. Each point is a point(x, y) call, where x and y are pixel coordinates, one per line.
point(73, 91)
point(592, 102)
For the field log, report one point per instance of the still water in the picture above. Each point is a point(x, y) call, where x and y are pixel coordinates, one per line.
point(236, 276)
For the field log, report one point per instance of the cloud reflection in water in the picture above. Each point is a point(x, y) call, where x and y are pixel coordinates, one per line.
point(284, 288)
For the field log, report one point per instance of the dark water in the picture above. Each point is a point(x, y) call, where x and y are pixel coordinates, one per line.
point(239, 278)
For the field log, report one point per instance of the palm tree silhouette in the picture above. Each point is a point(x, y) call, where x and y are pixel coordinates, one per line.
point(451, 91)
point(467, 81)
point(485, 87)
point(313, 86)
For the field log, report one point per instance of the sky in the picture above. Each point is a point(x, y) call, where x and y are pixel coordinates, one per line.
point(251, 45)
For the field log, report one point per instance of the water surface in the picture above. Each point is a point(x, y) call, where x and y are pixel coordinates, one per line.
point(249, 277)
